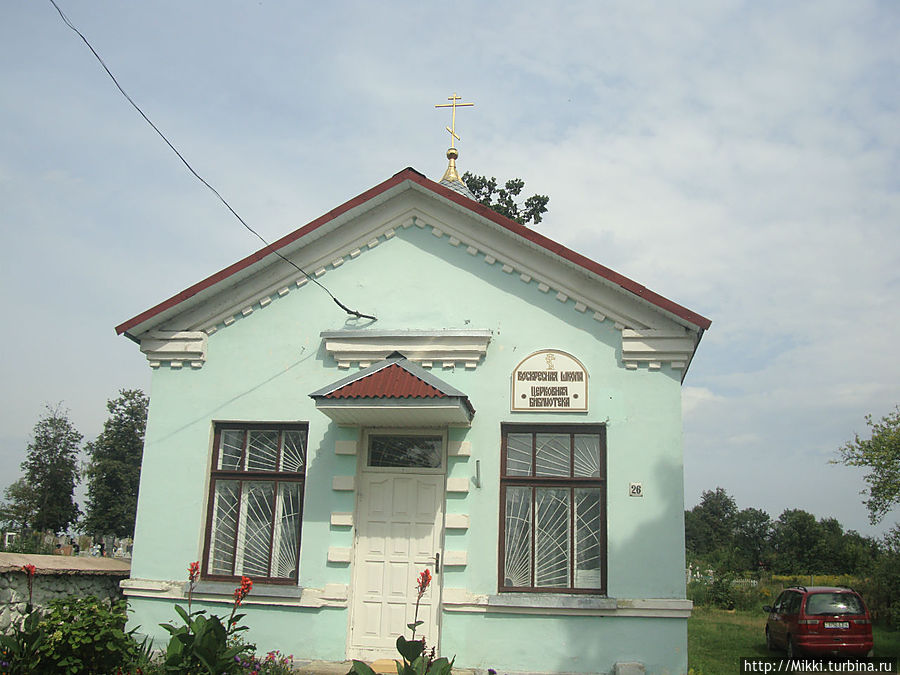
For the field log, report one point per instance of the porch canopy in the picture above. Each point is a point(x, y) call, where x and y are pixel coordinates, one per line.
point(394, 393)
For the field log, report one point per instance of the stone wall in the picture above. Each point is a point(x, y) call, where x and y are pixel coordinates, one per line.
point(55, 577)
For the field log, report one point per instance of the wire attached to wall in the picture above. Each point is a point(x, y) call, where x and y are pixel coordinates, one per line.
point(351, 312)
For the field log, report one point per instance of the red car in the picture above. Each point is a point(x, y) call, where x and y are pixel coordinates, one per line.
point(819, 620)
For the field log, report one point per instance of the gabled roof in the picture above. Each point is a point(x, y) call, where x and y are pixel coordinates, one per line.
point(145, 320)
point(394, 385)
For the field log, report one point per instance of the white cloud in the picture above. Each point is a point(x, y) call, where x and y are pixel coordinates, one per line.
point(739, 158)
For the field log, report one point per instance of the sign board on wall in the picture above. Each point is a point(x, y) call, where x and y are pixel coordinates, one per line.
point(549, 381)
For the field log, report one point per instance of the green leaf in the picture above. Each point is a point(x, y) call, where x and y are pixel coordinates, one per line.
point(409, 649)
point(440, 666)
point(413, 626)
point(360, 668)
point(183, 614)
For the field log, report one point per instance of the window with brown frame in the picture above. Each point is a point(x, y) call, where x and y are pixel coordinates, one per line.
point(255, 505)
point(553, 508)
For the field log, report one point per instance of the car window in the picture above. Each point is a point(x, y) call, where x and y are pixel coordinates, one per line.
point(834, 603)
point(777, 607)
point(792, 604)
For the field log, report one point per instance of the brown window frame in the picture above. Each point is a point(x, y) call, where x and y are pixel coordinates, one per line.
point(571, 482)
point(243, 475)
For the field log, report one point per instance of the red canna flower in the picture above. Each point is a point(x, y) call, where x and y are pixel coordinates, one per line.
point(193, 575)
point(243, 590)
point(29, 573)
point(423, 582)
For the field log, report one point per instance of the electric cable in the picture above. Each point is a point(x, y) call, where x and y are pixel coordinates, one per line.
point(351, 312)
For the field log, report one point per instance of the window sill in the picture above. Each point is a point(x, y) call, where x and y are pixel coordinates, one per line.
point(553, 604)
point(259, 589)
point(218, 592)
point(551, 601)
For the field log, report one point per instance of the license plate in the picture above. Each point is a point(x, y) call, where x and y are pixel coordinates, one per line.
point(837, 624)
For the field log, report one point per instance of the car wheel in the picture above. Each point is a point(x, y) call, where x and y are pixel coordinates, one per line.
point(792, 651)
point(769, 644)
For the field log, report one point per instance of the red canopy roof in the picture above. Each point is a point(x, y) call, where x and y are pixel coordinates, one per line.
point(390, 382)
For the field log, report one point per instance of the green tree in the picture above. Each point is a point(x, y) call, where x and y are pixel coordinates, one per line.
point(51, 470)
point(832, 546)
point(18, 511)
point(881, 455)
point(797, 540)
point(505, 203)
point(859, 552)
point(113, 470)
point(752, 532)
point(709, 526)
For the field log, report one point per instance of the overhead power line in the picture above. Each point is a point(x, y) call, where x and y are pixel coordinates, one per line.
point(351, 312)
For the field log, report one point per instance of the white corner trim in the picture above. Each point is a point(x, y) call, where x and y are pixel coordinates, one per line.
point(655, 347)
point(459, 448)
point(456, 521)
point(466, 347)
point(456, 558)
point(345, 447)
point(343, 483)
point(175, 346)
point(337, 554)
point(457, 485)
point(341, 519)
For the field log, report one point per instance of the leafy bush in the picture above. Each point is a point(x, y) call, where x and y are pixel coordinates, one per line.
point(19, 650)
point(86, 635)
point(726, 592)
point(882, 590)
point(721, 591)
point(202, 645)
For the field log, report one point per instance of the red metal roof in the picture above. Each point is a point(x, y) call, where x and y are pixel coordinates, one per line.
point(414, 176)
point(389, 382)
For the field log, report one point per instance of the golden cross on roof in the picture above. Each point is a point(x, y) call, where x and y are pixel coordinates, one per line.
point(454, 105)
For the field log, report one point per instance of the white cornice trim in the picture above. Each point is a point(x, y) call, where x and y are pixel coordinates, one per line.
point(466, 347)
point(176, 348)
point(655, 347)
point(653, 336)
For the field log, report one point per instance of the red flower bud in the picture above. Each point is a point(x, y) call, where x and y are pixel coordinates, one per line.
point(423, 582)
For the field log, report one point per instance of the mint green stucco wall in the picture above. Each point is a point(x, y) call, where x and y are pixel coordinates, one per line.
point(263, 367)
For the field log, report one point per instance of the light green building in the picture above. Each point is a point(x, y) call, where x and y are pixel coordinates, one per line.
point(511, 422)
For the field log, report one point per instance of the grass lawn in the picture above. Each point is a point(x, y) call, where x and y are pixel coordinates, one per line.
point(718, 638)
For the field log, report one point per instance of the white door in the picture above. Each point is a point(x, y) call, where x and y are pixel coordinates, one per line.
point(398, 534)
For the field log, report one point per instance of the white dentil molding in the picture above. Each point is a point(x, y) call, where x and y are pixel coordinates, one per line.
point(649, 337)
point(465, 347)
point(175, 347)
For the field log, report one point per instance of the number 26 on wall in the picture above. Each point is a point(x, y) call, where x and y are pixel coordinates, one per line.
point(635, 490)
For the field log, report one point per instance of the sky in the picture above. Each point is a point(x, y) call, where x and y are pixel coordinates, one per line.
point(740, 158)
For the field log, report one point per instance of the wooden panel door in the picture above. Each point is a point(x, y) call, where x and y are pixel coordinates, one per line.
point(398, 534)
